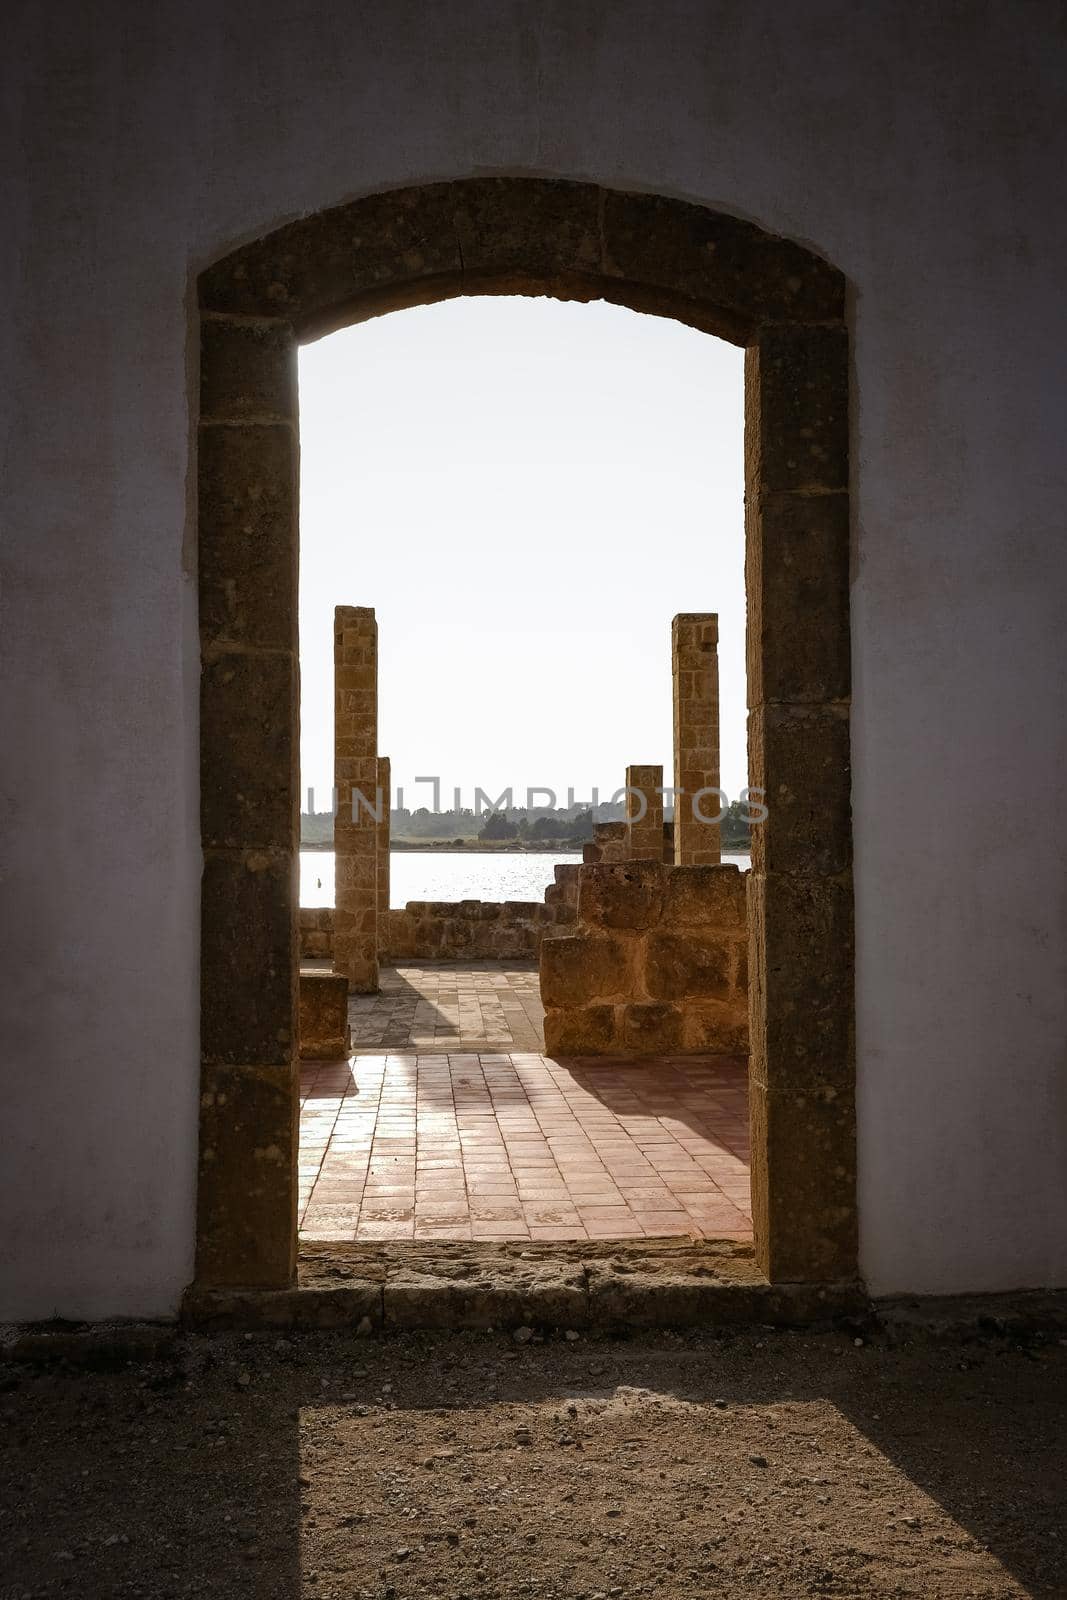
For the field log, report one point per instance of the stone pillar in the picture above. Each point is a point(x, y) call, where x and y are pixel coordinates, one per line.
point(695, 672)
point(385, 790)
point(802, 1072)
point(355, 765)
point(644, 835)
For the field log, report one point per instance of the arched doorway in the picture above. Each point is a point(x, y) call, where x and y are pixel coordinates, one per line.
point(573, 241)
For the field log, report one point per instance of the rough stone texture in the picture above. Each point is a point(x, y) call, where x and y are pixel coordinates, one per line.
point(702, 896)
point(799, 757)
point(718, 1025)
point(796, 582)
point(324, 1032)
point(248, 718)
point(803, 1181)
point(248, 997)
point(796, 410)
point(802, 939)
point(356, 773)
point(247, 1193)
point(695, 680)
point(800, 891)
point(587, 967)
point(383, 877)
point(578, 1285)
point(316, 933)
point(650, 1028)
point(447, 930)
point(316, 270)
point(658, 964)
point(248, 370)
point(249, 714)
point(628, 895)
point(644, 813)
point(609, 843)
point(248, 504)
point(562, 893)
point(459, 1292)
point(716, 261)
point(691, 965)
point(592, 1030)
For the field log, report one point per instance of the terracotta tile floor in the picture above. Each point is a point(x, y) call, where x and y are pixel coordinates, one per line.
point(442, 1006)
point(475, 1143)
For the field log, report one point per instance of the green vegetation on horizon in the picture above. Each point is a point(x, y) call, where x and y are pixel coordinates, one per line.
point(571, 826)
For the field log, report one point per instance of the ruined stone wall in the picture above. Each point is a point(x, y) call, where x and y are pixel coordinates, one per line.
point(457, 930)
point(481, 930)
point(658, 963)
point(610, 843)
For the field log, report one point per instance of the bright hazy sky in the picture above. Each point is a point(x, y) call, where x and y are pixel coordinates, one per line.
point(526, 492)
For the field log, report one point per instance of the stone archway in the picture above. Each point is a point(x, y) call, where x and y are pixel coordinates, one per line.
point(574, 241)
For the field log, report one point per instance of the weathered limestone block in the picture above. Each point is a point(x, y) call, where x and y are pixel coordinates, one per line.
point(313, 266)
point(808, 1217)
point(579, 1030)
point(248, 499)
point(248, 370)
point(649, 1029)
point(609, 843)
point(797, 646)
point(323, 1015)
point(246, 1227)
point(356, 775)
point(796, 409)
point(628, 895)
point(543, 232)
point(705, 897)
point(566, 877)
point(577, 971)
point(248, 1000)
point(716, 1027)
point(248, 706)
point(722, 259)
point(802, 933)
point(800, 758)
point(694, 965)
point(316, 933)
point(685, 972)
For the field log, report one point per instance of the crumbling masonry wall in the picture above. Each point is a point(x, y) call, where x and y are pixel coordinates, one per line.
point(658, 964)
point(447, 930)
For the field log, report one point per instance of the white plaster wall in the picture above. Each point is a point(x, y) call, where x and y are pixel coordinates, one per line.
point(919, 149)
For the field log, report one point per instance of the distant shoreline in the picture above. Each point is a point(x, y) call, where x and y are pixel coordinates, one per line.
point(503, 847)
point(497, 847)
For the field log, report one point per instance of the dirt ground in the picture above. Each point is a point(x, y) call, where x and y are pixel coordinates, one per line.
point(763, 1463)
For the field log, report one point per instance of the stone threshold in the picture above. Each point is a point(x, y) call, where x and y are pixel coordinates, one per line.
point(549, 1287)
point(630, 1289)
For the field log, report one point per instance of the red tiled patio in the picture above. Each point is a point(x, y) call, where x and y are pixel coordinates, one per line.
point(465, 1143)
